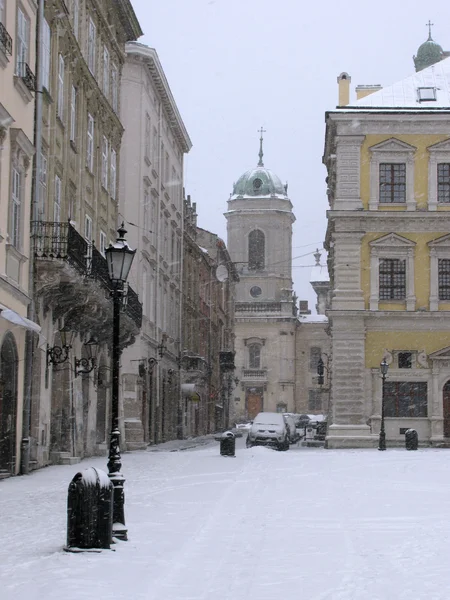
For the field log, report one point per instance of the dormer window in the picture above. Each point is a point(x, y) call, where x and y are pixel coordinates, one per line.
point(426, 94)
point(257, 183)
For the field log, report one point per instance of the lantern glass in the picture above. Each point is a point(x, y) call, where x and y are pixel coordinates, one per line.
point(384, 367)
point(119, 257)
point(66, 337)
point(92, 348)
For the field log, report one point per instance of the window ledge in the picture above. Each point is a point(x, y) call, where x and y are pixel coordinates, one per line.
point(73, 146)
point(22, 89)
point(11, 249)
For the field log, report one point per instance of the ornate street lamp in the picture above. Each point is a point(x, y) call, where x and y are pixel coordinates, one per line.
point(384, 367)
point(56, 355)
point(119, 258)
point(86, 364)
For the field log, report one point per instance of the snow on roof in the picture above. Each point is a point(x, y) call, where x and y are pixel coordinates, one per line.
point(313, 318)
point(405, 94)
point(319, 273)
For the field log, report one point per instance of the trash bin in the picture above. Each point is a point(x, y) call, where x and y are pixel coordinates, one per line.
point(411, 439)
point(90, 510)
point(227, 444)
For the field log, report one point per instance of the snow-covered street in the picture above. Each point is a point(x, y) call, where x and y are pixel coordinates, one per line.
point(308, 523)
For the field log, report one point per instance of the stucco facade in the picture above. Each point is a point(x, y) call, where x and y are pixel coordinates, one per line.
point(151, 201)
point(17, 85)
point(387, 157)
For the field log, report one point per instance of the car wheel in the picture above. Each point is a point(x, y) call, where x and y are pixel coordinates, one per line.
point(248, 442)
point(286, 444)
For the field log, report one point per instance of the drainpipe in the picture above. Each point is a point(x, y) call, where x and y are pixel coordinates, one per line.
point(29, 339)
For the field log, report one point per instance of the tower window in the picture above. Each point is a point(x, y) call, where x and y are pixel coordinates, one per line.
point(256, 250)
point(257, 184)
point(255, 291)
point(404, 360)
point(254, 356)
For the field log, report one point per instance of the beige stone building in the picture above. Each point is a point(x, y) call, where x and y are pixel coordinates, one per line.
point(151, 202)
point(78, 144)
point(17, 98)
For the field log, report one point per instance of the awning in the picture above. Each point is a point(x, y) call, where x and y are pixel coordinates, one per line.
point(16, 319)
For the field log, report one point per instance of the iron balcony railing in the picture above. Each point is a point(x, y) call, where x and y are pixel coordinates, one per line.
point(61, 241)
point(254, 373)
point(27, 76)
point(5, 40)
point(258, 307)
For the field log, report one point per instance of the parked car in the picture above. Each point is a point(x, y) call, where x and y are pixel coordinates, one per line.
point(294, 435)
point(269, 429)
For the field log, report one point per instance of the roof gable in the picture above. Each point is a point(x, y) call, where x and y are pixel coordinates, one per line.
point(392, 240)
point(393, 145)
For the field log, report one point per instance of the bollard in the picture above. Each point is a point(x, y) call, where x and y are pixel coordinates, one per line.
point(411, 439)
point(227, 444)
point(89, 511)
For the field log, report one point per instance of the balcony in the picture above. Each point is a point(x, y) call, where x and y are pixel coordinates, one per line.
point(27, 76)
point(258, 307)
point(254, 375)
point(5, 40)
point(72, 276)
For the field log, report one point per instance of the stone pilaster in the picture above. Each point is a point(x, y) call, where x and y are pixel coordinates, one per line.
point(347, 294)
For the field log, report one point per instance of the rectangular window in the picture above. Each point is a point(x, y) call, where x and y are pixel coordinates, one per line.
point(147, 208)
point(114, 89)
point(254, 356)
point(392, 273)
point(2, 12)
point(106, 71)
point(443, 182)
point(88, 228)
point(15, 217)
point(405, 360)
point(147, 137)
point(405, 399)
point(105, 162)
point(392, 183)
point(90, 143)
point(76, 17)
point(60, 100)
point(162, 155)
point(314, 400)
point(73, 114)
point(444, 278)
point(42, 186)
point(155, 160)
point(113, 182)
point(102, 242)
point(22, 42)
point(92, 34)
point(144, 292)
point(46, 55)
point(57, 200)
point(314, 356)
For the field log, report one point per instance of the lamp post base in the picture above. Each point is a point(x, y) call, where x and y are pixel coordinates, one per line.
point(382, 441)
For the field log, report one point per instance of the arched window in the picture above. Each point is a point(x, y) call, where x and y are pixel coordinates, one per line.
point(256, 250)
point(254, 356)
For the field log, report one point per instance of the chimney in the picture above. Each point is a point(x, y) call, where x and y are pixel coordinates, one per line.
point(344, 81)
point(364, 90)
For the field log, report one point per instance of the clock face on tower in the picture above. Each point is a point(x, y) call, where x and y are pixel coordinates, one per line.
point(255, 291)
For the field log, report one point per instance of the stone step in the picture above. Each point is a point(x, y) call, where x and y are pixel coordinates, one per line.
point(136, 446)
point(70, 460)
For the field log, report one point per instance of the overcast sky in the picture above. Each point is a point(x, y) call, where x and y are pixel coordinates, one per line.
point(236, 65)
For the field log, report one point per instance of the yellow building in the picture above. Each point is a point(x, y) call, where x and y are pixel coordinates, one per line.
point(388, 161)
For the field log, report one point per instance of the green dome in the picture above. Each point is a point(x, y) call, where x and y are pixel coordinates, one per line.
point(429, 53)
point(259, 182)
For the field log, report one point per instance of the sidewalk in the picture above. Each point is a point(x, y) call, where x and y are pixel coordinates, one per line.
point(180, 445)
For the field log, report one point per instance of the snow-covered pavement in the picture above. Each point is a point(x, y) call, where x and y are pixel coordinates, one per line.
point(308, 523)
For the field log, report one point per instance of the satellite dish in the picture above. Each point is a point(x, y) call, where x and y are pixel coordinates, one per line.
point(222, 273)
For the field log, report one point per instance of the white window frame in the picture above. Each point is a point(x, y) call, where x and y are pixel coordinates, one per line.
point(102, 242)
point(105, 162)
point(147, 213)
point(147, 144)
point(391, 151)
point(57, 200)
point(395, 247)
point(15, 225)
point(439, 248)
point(73, 114)
point(90, 143)
point(113, 175)
point(60, 98)
point(144, 292)
point(91, 43)
point(22, 41)
point(76, 17)
point(105, 81)
point(42, 185)
point(114, 88)
point(438, 153)
point(88, 229)
point(155, 149)
point(46, 49)
point(2, 12)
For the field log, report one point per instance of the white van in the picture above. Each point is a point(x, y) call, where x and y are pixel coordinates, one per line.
point(269, 429)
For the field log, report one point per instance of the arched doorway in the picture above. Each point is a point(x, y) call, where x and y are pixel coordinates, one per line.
point(446, 408)
point(8, 402)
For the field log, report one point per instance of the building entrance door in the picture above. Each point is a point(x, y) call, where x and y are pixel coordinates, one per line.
point(446, 411)
point(8, 403)
point(254, 402)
